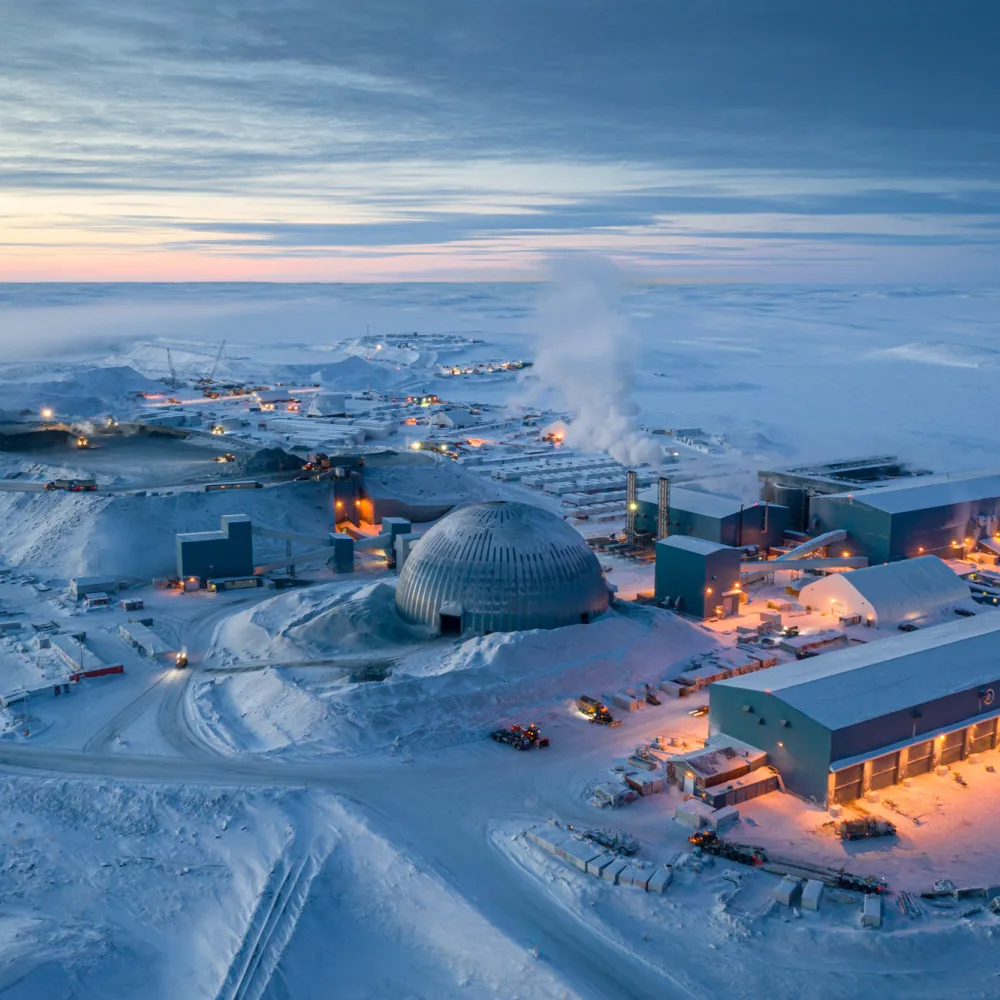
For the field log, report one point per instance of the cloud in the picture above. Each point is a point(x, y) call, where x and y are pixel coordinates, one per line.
point(427, 123)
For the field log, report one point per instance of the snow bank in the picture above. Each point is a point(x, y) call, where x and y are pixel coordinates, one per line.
point(323, 621)
point(399, 931)
point(60, 535)
point(947, 355)
point(128, 890)
point(442, 484)
point(443, 687)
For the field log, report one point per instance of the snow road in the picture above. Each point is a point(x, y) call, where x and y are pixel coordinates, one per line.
point(427, 822)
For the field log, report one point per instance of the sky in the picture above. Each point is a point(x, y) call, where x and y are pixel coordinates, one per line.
point(326, 140)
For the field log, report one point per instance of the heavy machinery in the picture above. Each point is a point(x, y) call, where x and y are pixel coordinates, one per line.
point(712, 843)
point(867, 826)
point(228, 457)
point(596, 711)
point(520, 737)
point(72, 485)
point(181, 660)
point(616, 841)
point(82, 442)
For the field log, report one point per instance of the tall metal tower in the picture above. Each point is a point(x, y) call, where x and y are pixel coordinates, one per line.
point(631, 505)
point(663, 508)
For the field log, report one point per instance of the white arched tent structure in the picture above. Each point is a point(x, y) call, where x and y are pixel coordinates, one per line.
point(912, 590)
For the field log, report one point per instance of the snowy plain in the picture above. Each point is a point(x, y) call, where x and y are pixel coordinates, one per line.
point(153, 825)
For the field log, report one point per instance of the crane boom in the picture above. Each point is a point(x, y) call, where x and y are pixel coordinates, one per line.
point(173, 381)
point(218, 357)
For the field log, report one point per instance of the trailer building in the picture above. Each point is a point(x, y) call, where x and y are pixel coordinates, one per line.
point(925, 515)
point(866, 717)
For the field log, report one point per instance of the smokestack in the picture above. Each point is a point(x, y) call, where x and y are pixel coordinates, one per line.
point(631, 505)
point(663, 508)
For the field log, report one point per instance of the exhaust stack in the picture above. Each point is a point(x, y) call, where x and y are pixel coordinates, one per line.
point(631, 505)
point(663, 508)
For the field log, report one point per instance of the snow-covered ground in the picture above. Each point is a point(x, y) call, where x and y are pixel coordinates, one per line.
point(312, 809)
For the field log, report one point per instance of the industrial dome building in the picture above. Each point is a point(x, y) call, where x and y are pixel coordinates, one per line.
point(501, 567)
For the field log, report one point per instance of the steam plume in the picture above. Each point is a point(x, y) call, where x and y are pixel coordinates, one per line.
point(586, 354)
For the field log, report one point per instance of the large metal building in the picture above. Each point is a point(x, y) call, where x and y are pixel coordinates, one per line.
point(501, 567)
point(868, 716)
point(924, 515)
point(715, 518)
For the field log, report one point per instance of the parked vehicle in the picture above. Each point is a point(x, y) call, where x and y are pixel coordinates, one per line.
point(868, 826)
point(72, 485)
point(596, 711)
point(520, 737)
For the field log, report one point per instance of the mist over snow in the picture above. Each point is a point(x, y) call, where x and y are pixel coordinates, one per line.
point(587, 353)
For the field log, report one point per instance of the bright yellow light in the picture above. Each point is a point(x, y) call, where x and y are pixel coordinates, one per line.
point(846, 554)
point(415, 446)
point(633, 506)
point(708, 590)
point(443, 447)
point(780, 744)
point(47, 413)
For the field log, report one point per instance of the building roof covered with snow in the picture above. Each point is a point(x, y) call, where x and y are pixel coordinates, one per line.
point(923, 492)
point(864, 682)
point(906, 591)
point(691, 544)
point(507, 567)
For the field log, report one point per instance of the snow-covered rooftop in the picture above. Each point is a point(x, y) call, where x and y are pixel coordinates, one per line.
point(692, 544)
point(897, 591)
point(923, 492)
point(888, 675)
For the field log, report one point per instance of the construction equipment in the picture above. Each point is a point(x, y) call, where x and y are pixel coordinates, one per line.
point(712, 843)
point(868, 826)
point(596, 711)
point(181, 660)
point(173, 382)
point(72, 485)
point(699, 712)
point(651, 698)
point(521, 737)
point(215, 367)
point(616, 841)
point(82, 442)
point(228, 457)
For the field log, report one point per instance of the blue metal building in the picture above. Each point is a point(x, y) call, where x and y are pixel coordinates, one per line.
point(929, 515)
point(206, 555)
point(715, 518)
point(696, 572)
point(868, 716)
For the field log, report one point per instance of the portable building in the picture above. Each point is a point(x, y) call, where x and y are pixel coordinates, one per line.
point(81, 586)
